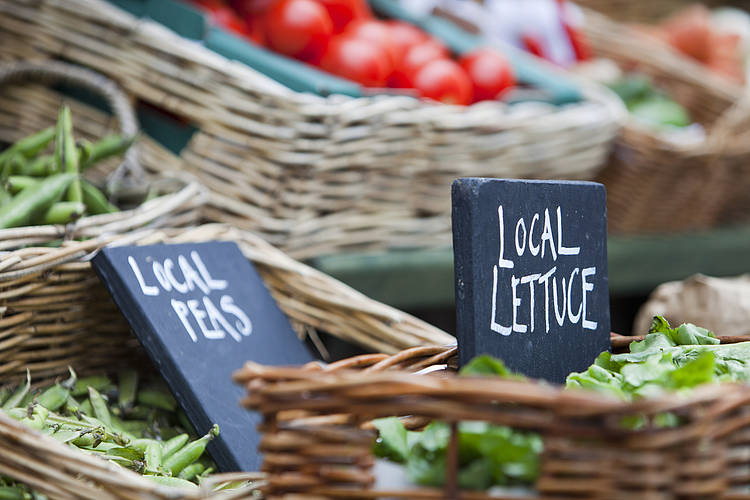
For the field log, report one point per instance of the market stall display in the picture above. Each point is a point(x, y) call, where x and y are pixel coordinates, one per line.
point(49, 325)
point(592, 445)
point(316, 175)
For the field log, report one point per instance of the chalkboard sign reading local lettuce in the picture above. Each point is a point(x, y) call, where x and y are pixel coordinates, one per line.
point(531, 273)
point(201, 310)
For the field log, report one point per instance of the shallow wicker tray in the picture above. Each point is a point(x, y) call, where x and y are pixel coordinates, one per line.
point(315, 175)
point(317, 441)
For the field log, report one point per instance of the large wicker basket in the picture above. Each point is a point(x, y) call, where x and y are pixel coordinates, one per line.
point(314, 175)
point(325, 451)
point(655, 184)
point(54, 313)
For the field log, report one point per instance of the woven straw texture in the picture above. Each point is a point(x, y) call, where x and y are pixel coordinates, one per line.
point(647, 11)
point(27, 105)
point(314, 175)
point(54, 313)
point(656, 184)
point(317, 441)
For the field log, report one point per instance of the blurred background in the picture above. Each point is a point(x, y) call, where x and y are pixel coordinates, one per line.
point(333, 128)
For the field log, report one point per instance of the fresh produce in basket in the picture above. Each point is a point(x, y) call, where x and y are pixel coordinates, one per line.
point(134, 423)
point(47, 188)
point(646, 103)
point(718, 40)
point(491, 456)
point(343, 38)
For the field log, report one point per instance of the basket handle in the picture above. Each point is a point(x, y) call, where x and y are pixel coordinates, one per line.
point(732, 122)
point(56, 71)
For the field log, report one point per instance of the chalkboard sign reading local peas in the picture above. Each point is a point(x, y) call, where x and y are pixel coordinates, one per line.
point(531, 273)
point(201, 310)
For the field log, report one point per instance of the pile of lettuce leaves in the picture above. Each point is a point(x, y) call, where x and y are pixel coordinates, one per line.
point(666, 360)
point(489, 455)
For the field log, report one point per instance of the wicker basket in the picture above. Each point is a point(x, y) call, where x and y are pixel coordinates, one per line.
point(324, 452)
point(28, 104)
point(315, 175)
point(54, 313)
point(647, 11)
point(654, 184)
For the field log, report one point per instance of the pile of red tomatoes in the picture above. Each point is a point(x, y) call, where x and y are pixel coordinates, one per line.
point(343, 38)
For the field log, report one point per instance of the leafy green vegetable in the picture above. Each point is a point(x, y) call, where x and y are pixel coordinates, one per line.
point(485, 365)
point(391, 442)
point(488, 454)
point(668, 359)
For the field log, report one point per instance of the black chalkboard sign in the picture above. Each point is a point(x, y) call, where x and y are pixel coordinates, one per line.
point(201, 310)
point(531, 273)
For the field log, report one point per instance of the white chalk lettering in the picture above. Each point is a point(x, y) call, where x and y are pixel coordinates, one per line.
point(182, 312)
point(494, 325)
point(573, 318)
point(587, 287)
point(562, 250)
point(244, 325)
point(146, 289)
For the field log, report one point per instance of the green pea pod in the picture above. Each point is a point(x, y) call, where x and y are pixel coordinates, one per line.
point(113, 145)
point(64, 212)
point(153, 457)
point(127, 380)
point(174, 482)
point(101, 383)
point(37, 418)
point(4, 394)
point(5, 196)
point(15, 165)
point(86, 408)
point(156, 398)
point(96, 202)
point(66, 154)
point(171, 446)
point(65, 435)
point(17, 183)
point(191, 471)
point(17, 413)
point(190, 452)
point(33, 144)
point(12, 493)
point(41, 166)
point(101, 412)
point(15, 399)
point(29, 397)
point(35, 201)
point(53, 398)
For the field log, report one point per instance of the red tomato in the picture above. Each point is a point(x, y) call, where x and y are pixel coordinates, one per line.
point(413, 60)
point(228, 19)
point(255, 29)
point(245, 8)
point(344, 12)
point(376, 32)
point(298, 28)
point(405, 35)
point(489, 72)
point(443, 80)
point(358, 60)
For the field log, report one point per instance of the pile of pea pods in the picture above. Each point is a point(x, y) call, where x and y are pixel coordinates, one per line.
point(39, 188)
point(136, 424)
